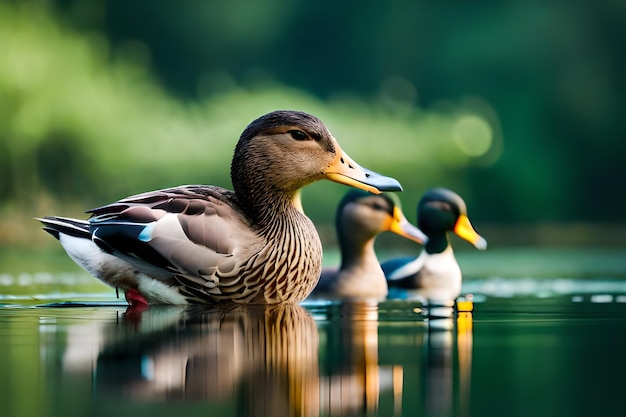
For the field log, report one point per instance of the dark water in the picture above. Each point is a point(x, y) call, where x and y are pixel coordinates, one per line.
point(516, 356)
point(546, 339)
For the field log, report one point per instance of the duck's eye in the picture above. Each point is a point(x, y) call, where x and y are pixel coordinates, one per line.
point(298, 135)
point(439, 205)
point(379, 207)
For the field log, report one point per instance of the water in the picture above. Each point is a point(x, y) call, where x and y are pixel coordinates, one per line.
point(544, 346)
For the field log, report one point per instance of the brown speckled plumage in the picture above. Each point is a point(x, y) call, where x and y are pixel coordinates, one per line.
point(208, 244)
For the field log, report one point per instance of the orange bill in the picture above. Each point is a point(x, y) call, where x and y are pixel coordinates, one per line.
point(464, 229)
point(399, 225)
point(345, 170)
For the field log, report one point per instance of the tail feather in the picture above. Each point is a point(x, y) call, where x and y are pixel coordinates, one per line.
point(124, 272)
point(72, 227)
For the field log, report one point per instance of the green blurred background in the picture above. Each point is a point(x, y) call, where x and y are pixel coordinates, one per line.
point(517, 105)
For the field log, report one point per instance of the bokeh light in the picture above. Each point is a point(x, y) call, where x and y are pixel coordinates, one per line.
point(473, 135)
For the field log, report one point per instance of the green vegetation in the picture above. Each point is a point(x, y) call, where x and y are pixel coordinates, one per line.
point(82, 129)
point(101, 100)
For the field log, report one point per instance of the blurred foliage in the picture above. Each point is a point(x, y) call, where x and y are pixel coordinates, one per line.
point(515, 106)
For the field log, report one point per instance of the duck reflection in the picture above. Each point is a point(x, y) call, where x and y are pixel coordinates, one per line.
point(352, 381)
point(268, 361)
point(448, 359)
point(375, 367)
point(264, 360)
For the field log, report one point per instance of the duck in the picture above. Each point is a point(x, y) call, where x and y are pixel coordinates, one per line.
point(360, 217)
point(435, 274)
point(207, 244)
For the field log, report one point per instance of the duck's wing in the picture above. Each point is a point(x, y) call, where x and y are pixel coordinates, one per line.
point(194, 233)
point(404, 272)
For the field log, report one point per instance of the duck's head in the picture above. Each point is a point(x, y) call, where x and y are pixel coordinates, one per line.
point(286, 150)
point(440, 211)
point(365, 214)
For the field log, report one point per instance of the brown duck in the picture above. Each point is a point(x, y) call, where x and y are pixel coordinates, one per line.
point(361, 217)
point(207, 244)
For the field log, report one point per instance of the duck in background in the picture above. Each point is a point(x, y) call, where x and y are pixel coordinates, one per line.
point(206, 244)
point(435, 273)
point(360, 217)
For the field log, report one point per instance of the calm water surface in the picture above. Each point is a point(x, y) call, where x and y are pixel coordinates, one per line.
point(532, 347)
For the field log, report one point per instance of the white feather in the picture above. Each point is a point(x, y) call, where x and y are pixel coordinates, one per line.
point(89, 256)
point(115, 271)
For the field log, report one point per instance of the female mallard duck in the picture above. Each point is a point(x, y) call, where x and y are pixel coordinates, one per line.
point(200, 243)
point(360, 217)
point(435, 273)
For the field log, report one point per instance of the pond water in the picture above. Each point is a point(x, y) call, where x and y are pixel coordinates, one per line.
point(546, 345)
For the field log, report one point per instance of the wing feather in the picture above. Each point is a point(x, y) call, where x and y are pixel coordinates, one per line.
point(193, 232)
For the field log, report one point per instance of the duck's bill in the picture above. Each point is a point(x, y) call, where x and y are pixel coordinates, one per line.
point(344, 170)
point(401, 226)
point(464, 229)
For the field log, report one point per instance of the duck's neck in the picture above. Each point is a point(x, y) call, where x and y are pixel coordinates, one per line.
point(263, 205)
point(357, 252)
point(277, 216)
point(437, 243)
point(360, 274)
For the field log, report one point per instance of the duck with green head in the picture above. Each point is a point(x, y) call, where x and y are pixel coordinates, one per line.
point(360, 217)
point(207, 244)
point(435, 273)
